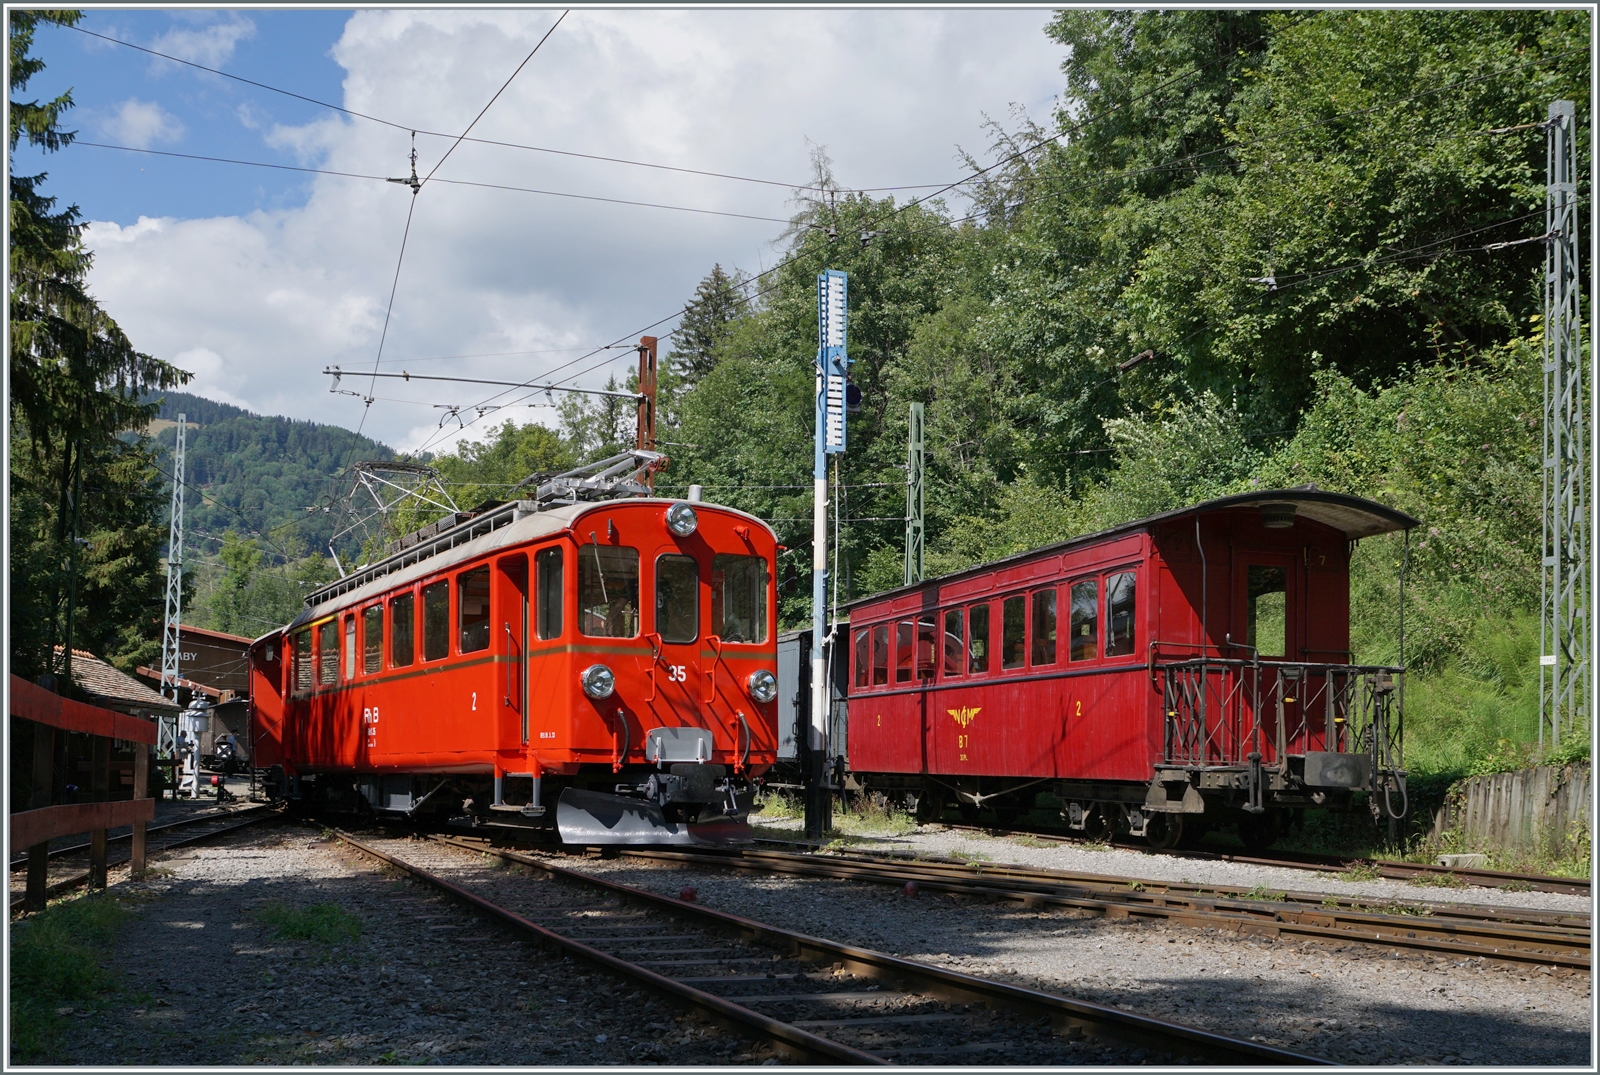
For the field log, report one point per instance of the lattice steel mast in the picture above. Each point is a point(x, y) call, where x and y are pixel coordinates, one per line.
point(915, 499)
point(168, 730)
point(1564, 690)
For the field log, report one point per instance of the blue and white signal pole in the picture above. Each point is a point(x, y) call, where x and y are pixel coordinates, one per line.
point(832, 367)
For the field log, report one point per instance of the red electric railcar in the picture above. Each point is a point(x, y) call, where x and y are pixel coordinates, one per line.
point(1159, 677)
point(617, 654)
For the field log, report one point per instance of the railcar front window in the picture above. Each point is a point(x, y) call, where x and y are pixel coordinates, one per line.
point(1044, 627)
point(472, 604)
point(978, 639)
point(436, 621)
point(863, 657)
point(302, 662)
point(1266, 626)
point(1119, 614)
point(739, 597)
point(402, 630)
point(372, 640)
point(328, 653)
point(677, 598)
point(952, 642)
point(880, 655)
point(608, 591)
point(548, 564)
point(349, 666)
point(1085, 619)
point(1013, 625)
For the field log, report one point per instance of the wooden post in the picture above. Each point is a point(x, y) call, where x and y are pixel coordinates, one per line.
point(141, 789)
point(44, 752)
point(100, 787)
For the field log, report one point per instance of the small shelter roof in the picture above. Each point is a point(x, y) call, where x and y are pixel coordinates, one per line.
point(112, 688)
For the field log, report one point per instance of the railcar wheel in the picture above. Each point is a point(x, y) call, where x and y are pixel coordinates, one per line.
point(927, 807)
point(968, 811)
point(1164, 831)
point(1098, 826)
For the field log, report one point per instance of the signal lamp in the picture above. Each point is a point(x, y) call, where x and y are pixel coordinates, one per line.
point(598, 681)
point(763, 686)
point(681, 519)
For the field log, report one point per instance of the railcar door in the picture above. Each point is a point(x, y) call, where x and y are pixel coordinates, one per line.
point(512, 646)
point(1269, 621)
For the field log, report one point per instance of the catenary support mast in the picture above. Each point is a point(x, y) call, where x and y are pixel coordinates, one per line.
point(832, 366)
point(167, 735)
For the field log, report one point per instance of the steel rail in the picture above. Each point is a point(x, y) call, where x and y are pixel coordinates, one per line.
point(1305, 860)
point(71, 849)
point(1092, 1020)
point(67, 884)
point(1541, 945)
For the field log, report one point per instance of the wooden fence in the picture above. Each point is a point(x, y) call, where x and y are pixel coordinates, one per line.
point(35, 828)
point(1527, 810)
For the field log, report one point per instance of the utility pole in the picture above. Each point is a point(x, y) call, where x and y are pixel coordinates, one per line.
point(832, 366)
point(646, 439)
point(915, 503)
point(1564, 691)
point(167, 731)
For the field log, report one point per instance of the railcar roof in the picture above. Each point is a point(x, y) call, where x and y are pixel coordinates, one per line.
point(1354, 516)
point(394, 571)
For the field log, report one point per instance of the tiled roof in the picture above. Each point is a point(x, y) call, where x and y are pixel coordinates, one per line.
point(98, 679)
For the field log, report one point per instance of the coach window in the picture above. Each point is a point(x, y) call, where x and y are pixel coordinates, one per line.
point(739, 598)
point(880, 655)
point(436, 621)
point(903, 651)
point(1266, 624)
point(349, 665)
point(1044, 628)
point(301, 648)
point(863, 657)
point(952, 642)
point(677, 598)
point(1013, 627)
point(372, 639)
point(548, 564)
point(472, 609)
point(328, 654)
point(1085, 623)
point(402, 630)
point(927, 647)
point(978, 638)
point(1119, 614)
point(608, 591)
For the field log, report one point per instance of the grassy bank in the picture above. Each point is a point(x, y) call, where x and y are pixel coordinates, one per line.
point(57, 970)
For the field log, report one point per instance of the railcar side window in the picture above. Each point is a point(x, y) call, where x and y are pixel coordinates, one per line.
point(880, 655)
point(978, 639)
point(436, 621)
point(863, 656)
point(902, 652)
point(472, 609)
point(1085, 624)
point(328, 655)
point(549, 566)
point(372, 639)
point(1119, 614)
point(1266, 623)
point(927, 646)
point(402, 630)
point(302, 661)
point(739, 597)
point(349, 665)
point(1044, 627)
point(677, 598)
point(1013, 625)
point(608, 591)
point(952, 642)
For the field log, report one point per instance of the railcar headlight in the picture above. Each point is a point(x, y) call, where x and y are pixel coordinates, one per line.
point(763, 686)
point(681, 519)
point(598, 681)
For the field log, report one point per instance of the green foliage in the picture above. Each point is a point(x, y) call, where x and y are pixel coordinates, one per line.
point(322, 923)
point(56, 961)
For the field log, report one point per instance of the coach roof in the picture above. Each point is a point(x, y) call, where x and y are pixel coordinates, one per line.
point(1354, 516)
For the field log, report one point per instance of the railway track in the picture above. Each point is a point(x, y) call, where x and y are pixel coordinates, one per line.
point(69, 865)
point(814, 999)
point(1558, 939)
point(1302, 860)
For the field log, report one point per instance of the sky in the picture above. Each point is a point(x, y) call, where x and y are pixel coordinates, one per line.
point(257, 279)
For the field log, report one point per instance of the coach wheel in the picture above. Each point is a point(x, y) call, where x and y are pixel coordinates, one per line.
point(1164, 830)
point(1097, 825)
point(968, 811)
point(1258, 831)
point(927, 807)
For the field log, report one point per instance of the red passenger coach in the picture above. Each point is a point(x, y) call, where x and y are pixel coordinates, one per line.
point(1160, 677)
point(614, 655)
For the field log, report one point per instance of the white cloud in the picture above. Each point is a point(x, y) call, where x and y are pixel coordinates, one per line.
point(140, 124)
point(211, 372)
point(279, 295)
point(211, 45)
